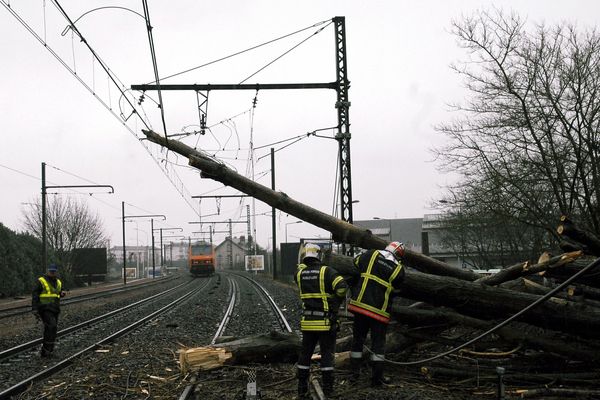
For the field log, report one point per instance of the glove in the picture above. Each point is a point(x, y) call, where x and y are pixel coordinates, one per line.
point(63, 294)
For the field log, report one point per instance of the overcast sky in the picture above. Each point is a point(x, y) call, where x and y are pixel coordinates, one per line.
point(398, 52)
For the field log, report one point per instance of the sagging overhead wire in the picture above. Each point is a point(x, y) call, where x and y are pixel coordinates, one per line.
point(96, 56)
point(311, 133)
point(179, 186)
point(295, 139)
point(155, 65)
point(243, 51)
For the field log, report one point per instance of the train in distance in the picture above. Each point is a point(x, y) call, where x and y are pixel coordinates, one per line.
point(201, 259)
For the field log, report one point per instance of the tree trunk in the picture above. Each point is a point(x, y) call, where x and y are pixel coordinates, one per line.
point(486, 302)
point(570, 230)
point(515, 333)
point(341, 230)
point(524, 269)
point(264, 348)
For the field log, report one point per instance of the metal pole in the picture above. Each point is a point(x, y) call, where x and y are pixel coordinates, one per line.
point(153, 262)
point(273, 217)
point(162, 262)
point(44, 240)
point(124, 251)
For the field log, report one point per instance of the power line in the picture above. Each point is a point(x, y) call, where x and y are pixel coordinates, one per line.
point(20, 172)
point(243, 51)
point(286, 52)
point(154, 64)
point(113, 78)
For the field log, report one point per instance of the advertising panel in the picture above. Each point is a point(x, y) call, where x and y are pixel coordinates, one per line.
point(255, 263)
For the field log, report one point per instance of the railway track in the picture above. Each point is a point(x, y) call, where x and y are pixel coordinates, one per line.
point(238, 284)
point(25, 309)
point(24, 363)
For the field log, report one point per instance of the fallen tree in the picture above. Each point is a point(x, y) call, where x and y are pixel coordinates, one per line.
point(264, 348)
point(342, 231)
point(482, 301)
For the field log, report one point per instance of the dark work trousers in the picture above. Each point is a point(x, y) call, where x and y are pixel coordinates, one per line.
point(50, 320)
point(362, 325)
point(326, 341)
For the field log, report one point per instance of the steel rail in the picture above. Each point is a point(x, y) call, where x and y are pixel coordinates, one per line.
point(21, 386)
point(20, 310)
point(276, 310)
point(234, 293)
point(26, 346)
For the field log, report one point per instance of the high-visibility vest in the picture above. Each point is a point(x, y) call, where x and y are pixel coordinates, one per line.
point(321, 289)
point(50, 294)
point(373, 297)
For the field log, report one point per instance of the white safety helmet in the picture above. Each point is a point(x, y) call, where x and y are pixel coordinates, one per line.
point(310, 250)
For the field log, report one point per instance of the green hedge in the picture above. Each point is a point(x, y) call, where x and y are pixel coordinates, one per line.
point(20, 262)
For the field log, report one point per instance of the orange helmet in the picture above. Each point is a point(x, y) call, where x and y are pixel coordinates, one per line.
point(396, 248)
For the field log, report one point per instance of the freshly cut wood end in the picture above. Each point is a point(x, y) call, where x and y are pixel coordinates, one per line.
point(545, 257)
point(202, 358)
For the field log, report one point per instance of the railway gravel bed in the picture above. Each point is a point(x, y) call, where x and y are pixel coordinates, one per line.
point(144, 364)
point(24, 328)
point(250, 306)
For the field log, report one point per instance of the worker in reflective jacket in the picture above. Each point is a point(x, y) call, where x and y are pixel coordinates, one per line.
point(45, 304)
point(321, 293)
point(381, 272)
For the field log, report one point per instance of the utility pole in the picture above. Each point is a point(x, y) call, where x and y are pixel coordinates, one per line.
point(123, 216)
point(273, 217)
point(44, 240)
point(341, 86)
point(230, 247)
point(44, 212)
point(249, 232)
point(124, 252)
point(343, 135)
point(153, 262)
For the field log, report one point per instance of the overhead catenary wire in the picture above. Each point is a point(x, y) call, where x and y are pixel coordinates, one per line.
point(155, 65)
point(55, 183)
point(243, 51)
point(111, 77)
point(285, 53)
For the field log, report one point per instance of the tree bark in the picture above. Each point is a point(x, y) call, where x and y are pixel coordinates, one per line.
point(342, 231)
point(570, 230)
point(515, 333)
point(487, 302)
point(524, 269)
point(264, 348)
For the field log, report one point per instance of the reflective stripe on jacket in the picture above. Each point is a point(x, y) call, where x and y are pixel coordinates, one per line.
point(50, 294)
point(319, 286)
point(379, 276)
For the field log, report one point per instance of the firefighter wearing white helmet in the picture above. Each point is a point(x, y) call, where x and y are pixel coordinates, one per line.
point(321, 292)
point(381, 272)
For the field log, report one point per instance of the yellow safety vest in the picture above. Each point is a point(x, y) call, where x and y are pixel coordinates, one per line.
point(50, 294)
point(369, 283)
point(316, 320)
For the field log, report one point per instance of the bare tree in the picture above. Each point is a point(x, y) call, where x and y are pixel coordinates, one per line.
point(527, 140)
point(70, 225)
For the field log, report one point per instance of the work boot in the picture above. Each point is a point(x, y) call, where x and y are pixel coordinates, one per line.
point(45, 353)
point(328, 380)
point(355, 364)
point(377, 378)
point(303, 375)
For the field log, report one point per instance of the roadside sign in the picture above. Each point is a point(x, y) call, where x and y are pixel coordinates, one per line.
point(255, 263)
